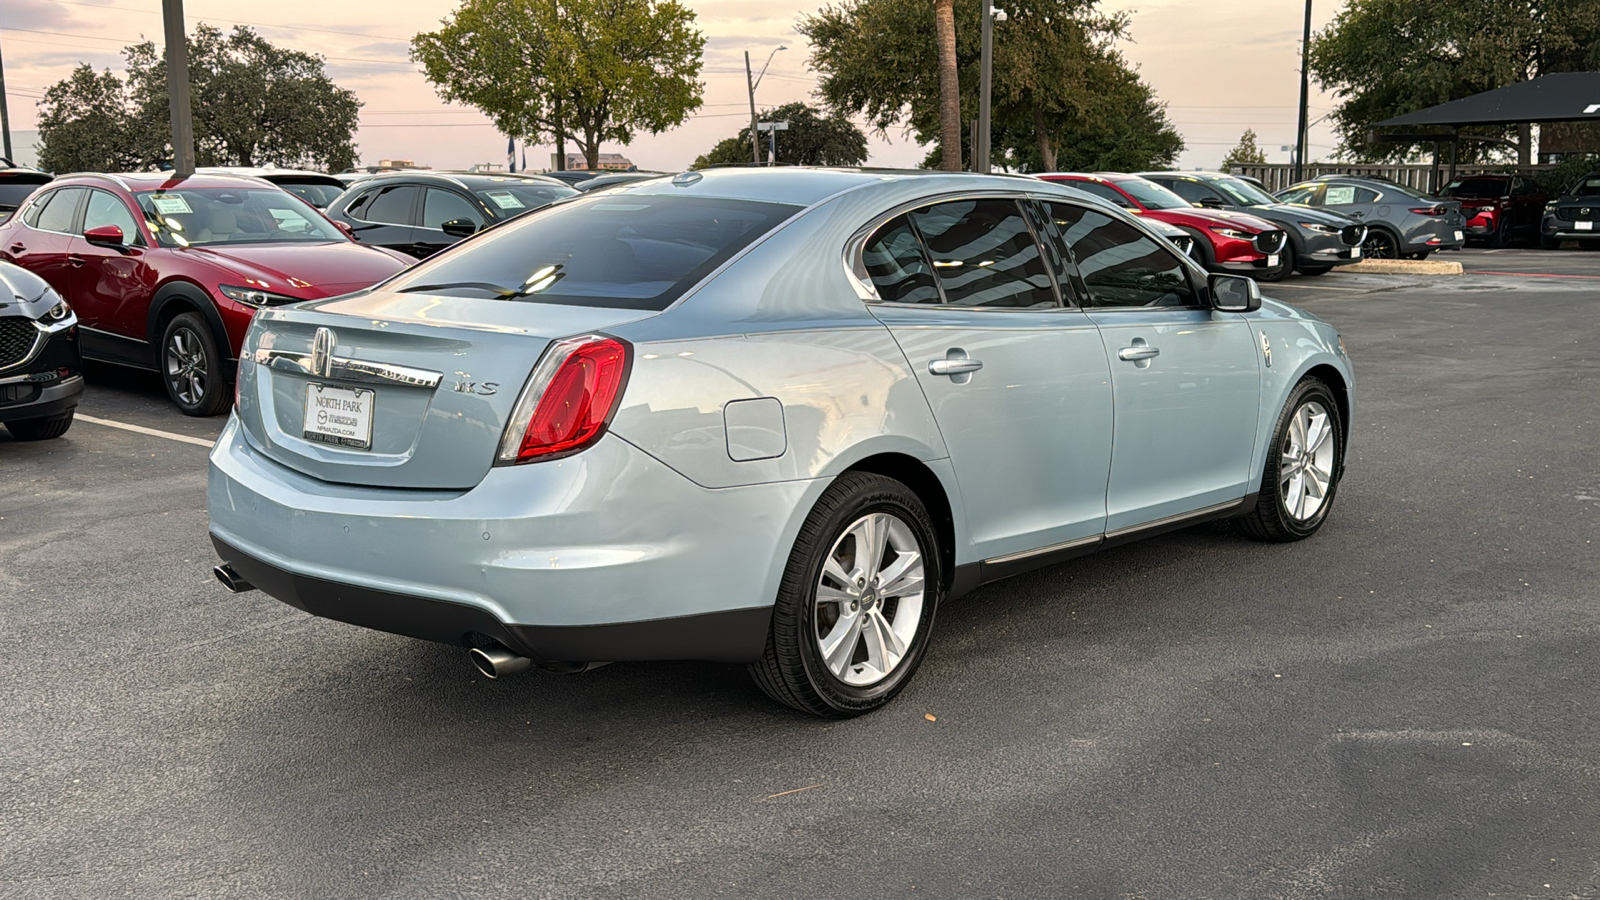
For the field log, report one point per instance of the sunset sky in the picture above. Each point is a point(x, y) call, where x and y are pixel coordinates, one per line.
point(1220, 65)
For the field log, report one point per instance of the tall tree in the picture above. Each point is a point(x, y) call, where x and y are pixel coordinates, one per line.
point(85, 125)
point(254, 103)
point(1246, 152)
point(944, 23)
point(593, 70)
point(1384, 58)
point(814, 138)
point(1059, 82)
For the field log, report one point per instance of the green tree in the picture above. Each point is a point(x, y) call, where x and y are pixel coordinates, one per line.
point(1247, 152)
point(1062, 93)
point(1384, 58)
point(86, 125)
point(814, 138)
point(592, 70)
point(253, 103)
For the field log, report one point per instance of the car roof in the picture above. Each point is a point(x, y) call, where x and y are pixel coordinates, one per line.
point(1193, 176)
point(468, 180)
point(807, 185)
point(266, 172)
point(147, 181)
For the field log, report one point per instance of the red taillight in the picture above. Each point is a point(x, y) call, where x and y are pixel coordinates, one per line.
point(1430, 210)
point(568, 400)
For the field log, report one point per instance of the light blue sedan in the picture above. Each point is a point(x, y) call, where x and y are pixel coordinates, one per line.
point(766, 416)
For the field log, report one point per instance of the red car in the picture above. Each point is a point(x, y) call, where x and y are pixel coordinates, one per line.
point(1223, 241)
point(166, 273)
point(1498, 207)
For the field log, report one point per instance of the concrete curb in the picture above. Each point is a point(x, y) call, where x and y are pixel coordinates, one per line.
point(1403, 267)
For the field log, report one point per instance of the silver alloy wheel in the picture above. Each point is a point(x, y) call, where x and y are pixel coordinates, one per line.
point(186, 366)
point(1306, 463)
point(869, 599)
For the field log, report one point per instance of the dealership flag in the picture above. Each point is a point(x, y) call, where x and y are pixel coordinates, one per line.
point(511, 154)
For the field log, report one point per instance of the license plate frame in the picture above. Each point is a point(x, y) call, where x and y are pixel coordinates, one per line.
point(1460, 236)
point(339, 416)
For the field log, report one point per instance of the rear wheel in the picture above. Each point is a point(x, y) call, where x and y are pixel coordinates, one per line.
point(41, 429)
point(1302, 471)
point(191, 367)
point(856, 605)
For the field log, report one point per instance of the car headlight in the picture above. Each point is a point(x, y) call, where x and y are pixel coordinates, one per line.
point(254, 296)
point(58, 312)
point(1319, 228)
point(1234, 233)
point(1342, 351)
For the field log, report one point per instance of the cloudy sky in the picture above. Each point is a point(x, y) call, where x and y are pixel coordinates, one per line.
point(1220, 65)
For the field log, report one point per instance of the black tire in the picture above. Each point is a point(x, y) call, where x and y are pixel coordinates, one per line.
point(1380, 244)
point(192, 367)
point(793, 670)
point(42, 429)
point(1316, 270)
point(1285, 265)
point(1548, 243)
point(1204, 253)
point(1271, 519)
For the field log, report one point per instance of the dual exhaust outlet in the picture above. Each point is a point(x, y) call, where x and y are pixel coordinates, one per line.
point(494, 661)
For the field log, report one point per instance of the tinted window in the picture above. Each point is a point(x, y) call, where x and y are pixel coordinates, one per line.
point(1120, 265)
point(1103, 191)
point(895, 264)
point(984, 254)
point(58, 213)
point(1192, 191)
point(629, 251)
point(391, 206)
point(14, 191)
point(1588, 184)
point(106, 208)
point(1478, 187)
point(440, 206)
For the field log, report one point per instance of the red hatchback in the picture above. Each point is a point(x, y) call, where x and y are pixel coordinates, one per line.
point(166, 273)
point(1223, 241)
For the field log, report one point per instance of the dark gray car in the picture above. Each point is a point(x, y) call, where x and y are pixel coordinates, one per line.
point(1319, 239)
point(1575, 215)
point(1400, 221)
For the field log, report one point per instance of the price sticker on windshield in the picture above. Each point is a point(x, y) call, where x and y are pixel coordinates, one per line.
point(506, 200)
point(171, 205)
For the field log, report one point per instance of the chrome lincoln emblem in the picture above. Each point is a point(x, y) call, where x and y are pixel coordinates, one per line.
point(322, 352)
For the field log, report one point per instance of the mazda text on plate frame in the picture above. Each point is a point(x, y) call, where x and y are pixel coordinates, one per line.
point(765, 416)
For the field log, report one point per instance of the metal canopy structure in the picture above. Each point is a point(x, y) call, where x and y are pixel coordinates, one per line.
point(1563, 97)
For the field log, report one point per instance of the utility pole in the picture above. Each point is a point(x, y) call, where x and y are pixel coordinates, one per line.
point(755, 142)
point(5, 117)
point(1305, 89)
point(178, 89)
point(980, 151)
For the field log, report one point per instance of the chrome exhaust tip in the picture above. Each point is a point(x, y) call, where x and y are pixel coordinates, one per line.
point(233, 581)
point(495, 660)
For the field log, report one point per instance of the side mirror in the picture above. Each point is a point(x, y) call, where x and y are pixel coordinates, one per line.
point(1234, 293)
point(345, 227)
point(459, 228)
point(1210, 203)
point(105, 236)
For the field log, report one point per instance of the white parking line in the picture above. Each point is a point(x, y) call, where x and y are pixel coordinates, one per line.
point(199, 442)
point(1318, 287)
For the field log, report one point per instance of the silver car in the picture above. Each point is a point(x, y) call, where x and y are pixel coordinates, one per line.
point(767, 416)
point(1400, 221)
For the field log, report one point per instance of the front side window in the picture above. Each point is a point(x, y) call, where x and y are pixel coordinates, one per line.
point(106, 208)
point(984, 254)
point(191, 217)
point(1120, 265)
point(59, 210)
point(440, 206)
point(898, 269)
point(1194, 191)
point(639, 251)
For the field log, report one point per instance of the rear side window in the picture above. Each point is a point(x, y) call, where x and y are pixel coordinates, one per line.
point(1120, 265)
point(59, 211)
point(624, 252)
point(898, 269)
point(984, 254)
point(391, 206)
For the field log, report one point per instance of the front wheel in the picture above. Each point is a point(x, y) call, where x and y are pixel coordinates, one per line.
point(191, 367)
point(1379, 245)
point(1285, 265)
point(1302, 471)
point(856, 605)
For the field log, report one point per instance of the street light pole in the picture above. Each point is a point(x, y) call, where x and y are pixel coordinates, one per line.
point(980, 153)
point(1305, 87)
point(751, 82)
point(178, 89)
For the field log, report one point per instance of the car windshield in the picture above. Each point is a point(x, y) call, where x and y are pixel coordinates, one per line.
point(1243, 192)
point(199, 217)
point(1478, 187)
point(1152, 195)
point(318, 195)
point(1588, 184)
point(511, 200)
point(620, 251)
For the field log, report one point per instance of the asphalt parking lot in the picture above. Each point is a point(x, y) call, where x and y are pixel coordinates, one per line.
point(1403, 706)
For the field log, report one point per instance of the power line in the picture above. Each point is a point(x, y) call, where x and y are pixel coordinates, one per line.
point(235, 22)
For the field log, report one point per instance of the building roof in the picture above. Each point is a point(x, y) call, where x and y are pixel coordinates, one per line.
point(1563, 97)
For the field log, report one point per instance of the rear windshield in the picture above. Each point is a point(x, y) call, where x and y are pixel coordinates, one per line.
point(618, 251)
point(1479, 187)
point(14, 191)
